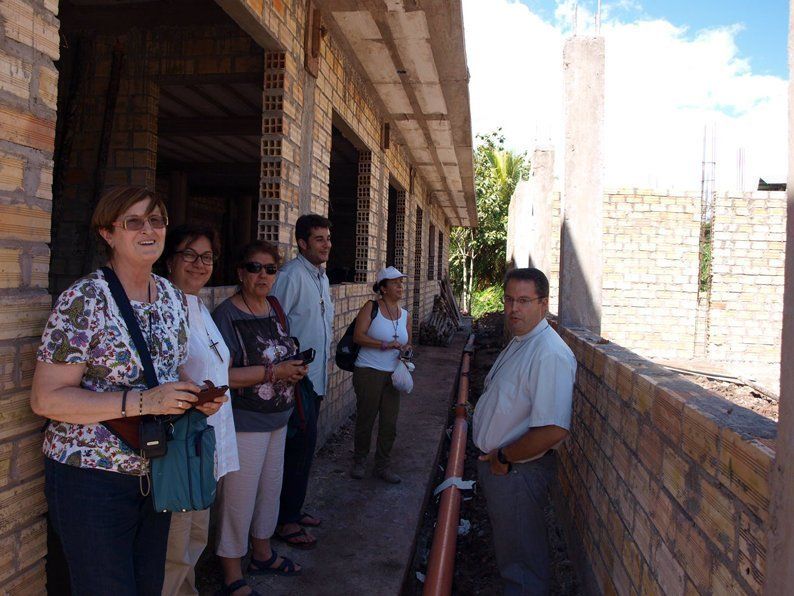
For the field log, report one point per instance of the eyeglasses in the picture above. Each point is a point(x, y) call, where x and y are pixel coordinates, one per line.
point(255, 267)
point(133, 223)
point(191, 256)
point(523, 301)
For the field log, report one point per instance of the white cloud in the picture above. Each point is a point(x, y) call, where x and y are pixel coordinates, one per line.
point(663, 85)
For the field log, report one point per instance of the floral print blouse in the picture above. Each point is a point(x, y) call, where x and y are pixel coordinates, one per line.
point(86, 327)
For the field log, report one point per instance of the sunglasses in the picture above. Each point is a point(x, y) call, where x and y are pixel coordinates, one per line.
point(254, 267)
point(133, 223)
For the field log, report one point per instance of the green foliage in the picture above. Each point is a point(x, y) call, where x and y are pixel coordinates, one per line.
point(487, 300)
point(477, 257)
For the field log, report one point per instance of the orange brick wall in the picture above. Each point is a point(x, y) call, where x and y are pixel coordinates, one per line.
point(28, 87)
point(666, 484)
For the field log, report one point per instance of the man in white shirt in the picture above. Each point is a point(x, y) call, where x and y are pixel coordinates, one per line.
point(303, 290)
point(522, 416)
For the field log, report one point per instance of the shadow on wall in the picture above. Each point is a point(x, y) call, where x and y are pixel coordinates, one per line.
point(576, 307)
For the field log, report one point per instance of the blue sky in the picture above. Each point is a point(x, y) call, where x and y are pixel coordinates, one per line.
point(762, 38)
point(673, 69)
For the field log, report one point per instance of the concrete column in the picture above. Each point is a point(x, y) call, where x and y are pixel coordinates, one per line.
point(780, 547)
point(529, 233)
point(580, 245)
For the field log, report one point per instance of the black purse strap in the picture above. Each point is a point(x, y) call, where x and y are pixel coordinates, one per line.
point(123, 302)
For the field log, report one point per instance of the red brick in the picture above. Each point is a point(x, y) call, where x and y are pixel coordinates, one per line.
point(32, 580)
point(752, 551)
point(701, 438)
point(675, 470)
point(715, 514)
point(21, 504)
point(669, 572)
point(643, 392)
point(16, 417)
point(650, 449)
point(745, 470)
point(692, 550)
point(666, 413)
point(26, 129)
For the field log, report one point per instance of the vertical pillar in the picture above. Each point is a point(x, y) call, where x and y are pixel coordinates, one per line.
point(580, 246)
point(530, 218)
point(780, 548)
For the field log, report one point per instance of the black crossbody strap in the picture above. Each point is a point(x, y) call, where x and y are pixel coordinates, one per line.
point(123, 302)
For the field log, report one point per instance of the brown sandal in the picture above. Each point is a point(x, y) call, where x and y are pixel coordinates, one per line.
point(290, 539)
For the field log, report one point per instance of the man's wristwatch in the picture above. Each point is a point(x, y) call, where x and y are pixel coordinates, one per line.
point(500, 456)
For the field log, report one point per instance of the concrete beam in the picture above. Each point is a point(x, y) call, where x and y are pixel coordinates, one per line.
point(780, 547)
point(580, 246)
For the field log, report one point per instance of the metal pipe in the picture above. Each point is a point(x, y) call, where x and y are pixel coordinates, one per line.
point(442, 552)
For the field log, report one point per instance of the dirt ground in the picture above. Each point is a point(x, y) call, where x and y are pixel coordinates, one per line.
point(741, 395)
point(475, 564)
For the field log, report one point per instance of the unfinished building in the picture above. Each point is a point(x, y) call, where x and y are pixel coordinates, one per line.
point(243, 114)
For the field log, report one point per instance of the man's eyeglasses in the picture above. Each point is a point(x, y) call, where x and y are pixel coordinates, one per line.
point(523, 301)
point(255, 267)
point(191, 256)
point(133, 223)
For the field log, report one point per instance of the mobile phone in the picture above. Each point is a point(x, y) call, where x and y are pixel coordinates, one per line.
point(307, 356)
point(210, 393)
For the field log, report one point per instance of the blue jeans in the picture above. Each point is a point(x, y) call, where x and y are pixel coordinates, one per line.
point(113, 540)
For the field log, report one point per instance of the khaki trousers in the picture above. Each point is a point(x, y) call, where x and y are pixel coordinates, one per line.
point(187, 539)
point(376, 397)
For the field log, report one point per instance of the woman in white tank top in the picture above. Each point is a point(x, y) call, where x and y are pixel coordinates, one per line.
point(382, 338)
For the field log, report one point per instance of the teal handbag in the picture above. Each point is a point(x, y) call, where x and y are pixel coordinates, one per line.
point(184, 478)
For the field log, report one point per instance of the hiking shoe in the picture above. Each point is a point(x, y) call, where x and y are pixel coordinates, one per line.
point(388, 476)
point(358, 470)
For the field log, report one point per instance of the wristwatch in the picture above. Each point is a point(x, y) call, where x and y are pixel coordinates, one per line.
point(500, 456)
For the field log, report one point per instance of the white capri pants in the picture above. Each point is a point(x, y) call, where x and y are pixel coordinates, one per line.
point(248, 499)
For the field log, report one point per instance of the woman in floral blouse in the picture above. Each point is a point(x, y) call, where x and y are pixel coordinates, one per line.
point(262, 379)
point(89, 372)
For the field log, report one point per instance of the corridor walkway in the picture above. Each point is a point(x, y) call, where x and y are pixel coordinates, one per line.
point(366, 539)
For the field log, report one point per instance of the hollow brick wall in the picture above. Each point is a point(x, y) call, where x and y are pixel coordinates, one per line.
point(746, 308)
point(665, 484)
point(29, 44)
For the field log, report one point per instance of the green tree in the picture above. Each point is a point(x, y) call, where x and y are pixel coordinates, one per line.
point(477, 255)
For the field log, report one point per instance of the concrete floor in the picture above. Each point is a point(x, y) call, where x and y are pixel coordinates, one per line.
point(366, 539)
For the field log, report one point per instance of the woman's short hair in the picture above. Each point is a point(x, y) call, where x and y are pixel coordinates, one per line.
point(114, 202)
point(186, 234)
point(247, 252)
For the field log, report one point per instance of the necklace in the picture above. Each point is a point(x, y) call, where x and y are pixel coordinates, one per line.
point(395, 322)
point(317, 282)
point(213, 343)
point(248, 306)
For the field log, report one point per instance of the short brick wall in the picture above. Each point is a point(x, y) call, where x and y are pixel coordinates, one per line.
point(665, 483)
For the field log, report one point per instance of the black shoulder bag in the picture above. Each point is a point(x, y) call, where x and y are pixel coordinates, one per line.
point(146, 434)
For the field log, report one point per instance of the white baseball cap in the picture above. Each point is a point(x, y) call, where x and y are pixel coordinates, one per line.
point(389, 273)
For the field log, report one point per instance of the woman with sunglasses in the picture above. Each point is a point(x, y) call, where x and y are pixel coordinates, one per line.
point(189, 256)
point(262, 378)
point(90, 372)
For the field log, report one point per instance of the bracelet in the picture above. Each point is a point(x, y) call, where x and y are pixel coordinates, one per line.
point(264, 373)
point(124, 403)
point(140, 403)
point(383, 346)
point(501, 457)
